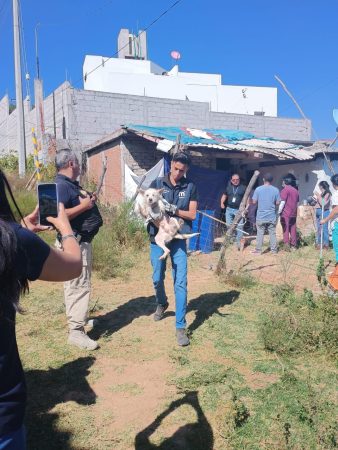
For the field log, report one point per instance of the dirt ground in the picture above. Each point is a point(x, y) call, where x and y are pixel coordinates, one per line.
point(127, 399)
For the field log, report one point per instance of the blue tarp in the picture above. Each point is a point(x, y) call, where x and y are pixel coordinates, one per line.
point(216, 136)
point(210, 184)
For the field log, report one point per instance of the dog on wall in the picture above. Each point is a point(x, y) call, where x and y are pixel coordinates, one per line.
point(149, 205)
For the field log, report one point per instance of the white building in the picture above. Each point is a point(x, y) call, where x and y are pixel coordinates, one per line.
point(131, 73)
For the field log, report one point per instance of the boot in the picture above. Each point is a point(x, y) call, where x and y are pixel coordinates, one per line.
point(182, 338)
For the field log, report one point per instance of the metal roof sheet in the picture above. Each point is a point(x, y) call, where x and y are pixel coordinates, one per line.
point(233, 140)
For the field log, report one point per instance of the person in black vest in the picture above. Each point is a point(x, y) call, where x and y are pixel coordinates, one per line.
point(85, 220)
point(233, 195)
point(180, 196)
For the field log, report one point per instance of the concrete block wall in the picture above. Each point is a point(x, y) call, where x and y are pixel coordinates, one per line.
point(8, 125)
point(91, 115)
point(100, 113)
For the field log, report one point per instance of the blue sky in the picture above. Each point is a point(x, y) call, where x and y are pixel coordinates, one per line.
point(247, 41)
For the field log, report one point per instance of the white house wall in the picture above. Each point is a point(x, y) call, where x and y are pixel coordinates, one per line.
point(145, 78)
point(302, 171)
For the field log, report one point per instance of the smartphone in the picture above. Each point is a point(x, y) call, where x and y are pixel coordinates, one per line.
point(48, 202)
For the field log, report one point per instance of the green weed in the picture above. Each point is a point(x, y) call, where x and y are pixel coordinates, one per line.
point(303, 324)
point(118, 242)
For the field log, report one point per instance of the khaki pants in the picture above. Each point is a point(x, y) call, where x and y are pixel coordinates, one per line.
point(77, 291)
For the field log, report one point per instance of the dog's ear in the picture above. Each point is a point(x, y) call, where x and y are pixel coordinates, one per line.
point(140, 191)
point(160, 190)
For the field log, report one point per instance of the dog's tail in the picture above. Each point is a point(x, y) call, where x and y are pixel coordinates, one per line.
point(185, 236)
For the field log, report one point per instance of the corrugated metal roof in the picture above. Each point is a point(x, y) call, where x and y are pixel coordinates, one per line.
point(232, 140)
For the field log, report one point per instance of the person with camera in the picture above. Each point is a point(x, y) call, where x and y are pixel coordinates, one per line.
point(85, 220)
point(24, 257)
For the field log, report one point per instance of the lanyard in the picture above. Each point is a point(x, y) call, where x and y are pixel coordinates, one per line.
point(234, 191)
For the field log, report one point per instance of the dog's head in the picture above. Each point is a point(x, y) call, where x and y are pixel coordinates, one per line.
point(151, 196)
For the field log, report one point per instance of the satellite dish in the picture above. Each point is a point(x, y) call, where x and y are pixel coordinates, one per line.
point(335, 116)
point(175, 55)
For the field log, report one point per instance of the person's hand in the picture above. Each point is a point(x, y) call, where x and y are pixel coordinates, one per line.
point(61, 222)
point(31, 222)
point(87, 202)
point(169, 207)
point(323, 221)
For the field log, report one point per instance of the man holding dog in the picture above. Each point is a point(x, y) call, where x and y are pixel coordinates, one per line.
point(180, 199)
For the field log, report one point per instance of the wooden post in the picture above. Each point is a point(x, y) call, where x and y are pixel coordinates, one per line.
point(138, 187)
point(237, 218)
point(177, 144)
point(103, 173)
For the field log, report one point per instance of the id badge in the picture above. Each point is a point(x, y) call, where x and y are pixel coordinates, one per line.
point(233, 200)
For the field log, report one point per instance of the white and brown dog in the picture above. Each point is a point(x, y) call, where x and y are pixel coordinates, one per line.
point(149, 205)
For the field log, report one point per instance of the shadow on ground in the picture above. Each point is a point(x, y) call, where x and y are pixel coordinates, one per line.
point(205, 306)
point(191, 436)
point(208, 304)
point(46, 389)
point(123, 315)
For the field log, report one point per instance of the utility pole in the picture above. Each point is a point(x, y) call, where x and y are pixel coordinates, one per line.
point(36, 51)
point(21, 139)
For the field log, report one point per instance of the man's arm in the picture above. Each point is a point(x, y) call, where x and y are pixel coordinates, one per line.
point(85, 204)
point(190, 214)
point(223, 200)
point(332, 214)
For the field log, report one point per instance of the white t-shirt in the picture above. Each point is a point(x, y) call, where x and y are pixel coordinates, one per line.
point(334, 202)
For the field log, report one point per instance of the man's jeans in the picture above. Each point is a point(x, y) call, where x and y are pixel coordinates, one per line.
point(271, 226)
point(229, 218)
point(319, 226)
point(14, 441)
point(178, 255)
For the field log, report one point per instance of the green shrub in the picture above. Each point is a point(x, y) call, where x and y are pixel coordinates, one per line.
point(239, 279)
point(306, 241)
point(10, 165)
point(303, 325)
point(118, 242)
point(283, 293)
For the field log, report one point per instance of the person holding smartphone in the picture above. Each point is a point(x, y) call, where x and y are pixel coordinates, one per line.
point(24, 257)
point(85, 220)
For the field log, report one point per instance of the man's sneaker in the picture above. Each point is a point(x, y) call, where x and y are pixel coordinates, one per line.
point(81, 340)
point(182, 338)
point(92, 323)
point(256, 252)
point(160, 310)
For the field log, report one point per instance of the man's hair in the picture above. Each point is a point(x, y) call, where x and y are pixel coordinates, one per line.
point(234, 174)
point(334, 179)
point(181, 157)
point(288, 181)
point(63, 157)
point(268, 177)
